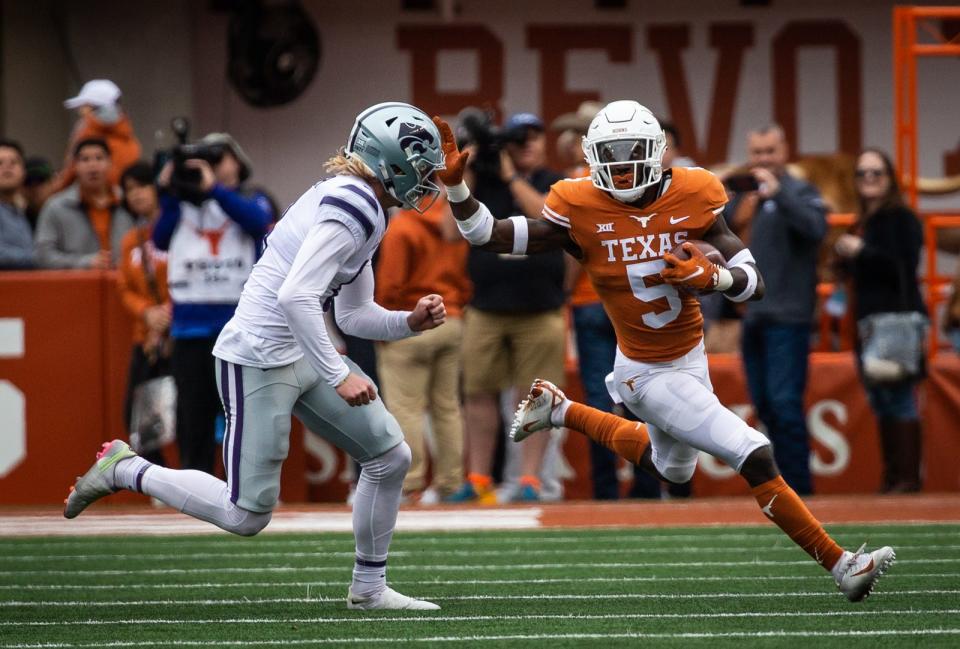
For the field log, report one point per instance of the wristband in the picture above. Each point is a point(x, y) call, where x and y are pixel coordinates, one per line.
point(724, 280)
point(458, 193)
point(747, 292)
point(478, 228)
point(520, 235)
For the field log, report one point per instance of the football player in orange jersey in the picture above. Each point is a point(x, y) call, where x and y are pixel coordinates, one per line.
point(622, 224)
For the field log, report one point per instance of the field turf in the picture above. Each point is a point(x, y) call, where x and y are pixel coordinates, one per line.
point(664, 587)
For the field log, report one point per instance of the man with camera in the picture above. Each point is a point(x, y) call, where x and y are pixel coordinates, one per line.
point(212, 227)
point(514, 328)
point(784, 220)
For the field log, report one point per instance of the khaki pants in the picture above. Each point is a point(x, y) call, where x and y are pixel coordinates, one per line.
point(421, 375)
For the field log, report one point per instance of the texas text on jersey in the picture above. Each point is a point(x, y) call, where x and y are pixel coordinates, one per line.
point(623, 249)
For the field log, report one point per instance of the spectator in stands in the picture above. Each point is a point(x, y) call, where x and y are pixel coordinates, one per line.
point(674, 156)
point(100, 116)
point(142, 282)
point(514, 329)
point(213, 240)
point(571, 128)
point(37, 187)
point(16, 239)
point(420, 254)
point(787, 221)
point(880, 254)
point(82, 226)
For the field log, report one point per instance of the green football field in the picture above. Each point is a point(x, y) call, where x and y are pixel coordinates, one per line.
point(670, 587)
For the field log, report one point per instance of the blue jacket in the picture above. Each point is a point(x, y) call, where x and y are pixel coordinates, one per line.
point(254, 215)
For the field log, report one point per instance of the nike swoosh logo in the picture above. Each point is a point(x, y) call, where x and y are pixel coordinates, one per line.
point(698, 272)
point(674, 220)
point(865, 569)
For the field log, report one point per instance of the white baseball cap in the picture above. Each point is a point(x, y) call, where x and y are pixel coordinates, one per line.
point(99, 92)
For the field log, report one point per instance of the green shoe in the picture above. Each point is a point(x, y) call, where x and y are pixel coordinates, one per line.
point(98, 481)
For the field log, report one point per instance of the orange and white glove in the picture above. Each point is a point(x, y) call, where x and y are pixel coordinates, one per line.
point(455, 159)
point(697, 272)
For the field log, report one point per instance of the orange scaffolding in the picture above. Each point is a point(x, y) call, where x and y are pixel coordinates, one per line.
point(908, 23)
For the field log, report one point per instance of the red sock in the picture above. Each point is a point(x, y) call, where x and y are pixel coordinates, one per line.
point(628, 439)
point(783, 506)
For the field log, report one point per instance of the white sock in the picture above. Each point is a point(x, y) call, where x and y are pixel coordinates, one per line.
point(375, 508)
point(128, 473)
point(195, 493)
point(559, 414)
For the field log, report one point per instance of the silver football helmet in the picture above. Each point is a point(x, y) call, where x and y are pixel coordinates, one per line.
point(401, 146)
point(624, 147)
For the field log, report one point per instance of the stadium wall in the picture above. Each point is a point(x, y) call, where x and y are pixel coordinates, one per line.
point(823, 67)
point(64, 349)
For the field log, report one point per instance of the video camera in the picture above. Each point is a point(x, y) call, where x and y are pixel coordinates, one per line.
point(475, 126)
point(185, 182)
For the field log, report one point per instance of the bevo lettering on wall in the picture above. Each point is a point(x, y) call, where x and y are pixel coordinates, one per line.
point(730, 40)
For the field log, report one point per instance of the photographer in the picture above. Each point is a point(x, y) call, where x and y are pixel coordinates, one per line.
point(213, 228)
point(784, 220)
point(514, 327)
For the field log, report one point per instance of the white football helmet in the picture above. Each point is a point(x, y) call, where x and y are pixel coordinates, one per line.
point(624, 147)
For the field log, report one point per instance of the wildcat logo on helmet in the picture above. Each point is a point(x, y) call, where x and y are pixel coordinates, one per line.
point(414, 138)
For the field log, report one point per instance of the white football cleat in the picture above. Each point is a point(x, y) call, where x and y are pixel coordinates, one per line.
point(388, 599)
point(860, 571)
point(98, 481)
point(534, 412)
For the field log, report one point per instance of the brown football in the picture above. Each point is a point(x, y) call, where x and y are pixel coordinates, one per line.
point(708, 250)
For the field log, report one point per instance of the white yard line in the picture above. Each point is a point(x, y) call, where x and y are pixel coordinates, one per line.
point(457, 582)
point(495, 638)
point(525, 552)
point(405, 566)
point(539, 597)
point(483, 618)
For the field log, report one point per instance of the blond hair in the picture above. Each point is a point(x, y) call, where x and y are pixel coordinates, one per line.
point(344, 164)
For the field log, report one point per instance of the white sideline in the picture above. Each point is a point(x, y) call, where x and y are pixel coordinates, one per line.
point(442, 598)
point(641, 536)
point(494, 638)
point(482, 618)
point(93, 524)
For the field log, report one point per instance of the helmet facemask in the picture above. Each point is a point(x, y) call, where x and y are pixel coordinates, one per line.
point(421, 196)
point(625, 166)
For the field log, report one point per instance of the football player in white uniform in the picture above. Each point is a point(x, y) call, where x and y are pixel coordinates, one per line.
point(274, 358)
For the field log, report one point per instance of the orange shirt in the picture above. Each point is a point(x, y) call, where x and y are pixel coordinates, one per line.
point(123, 144)
point(135, 290)
point(416, 260)
point(623, 249)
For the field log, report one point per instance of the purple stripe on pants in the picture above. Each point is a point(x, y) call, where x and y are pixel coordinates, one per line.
point(238, 432)
point(225, 397)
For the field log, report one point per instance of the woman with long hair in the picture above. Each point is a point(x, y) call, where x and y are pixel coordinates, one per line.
point(880, 255)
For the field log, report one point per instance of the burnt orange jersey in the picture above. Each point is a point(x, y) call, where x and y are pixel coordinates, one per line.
point(623, 249)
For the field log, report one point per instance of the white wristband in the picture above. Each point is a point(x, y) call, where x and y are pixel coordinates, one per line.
point(458, 193)
point(478, 228)
point(741, 258)
point(725, 280)
point(520, 235)
point(747, 292)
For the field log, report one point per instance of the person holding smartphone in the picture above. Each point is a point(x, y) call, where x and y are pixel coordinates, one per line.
point(784, 220)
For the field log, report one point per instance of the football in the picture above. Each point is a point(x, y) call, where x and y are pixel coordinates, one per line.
point(707, 249)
